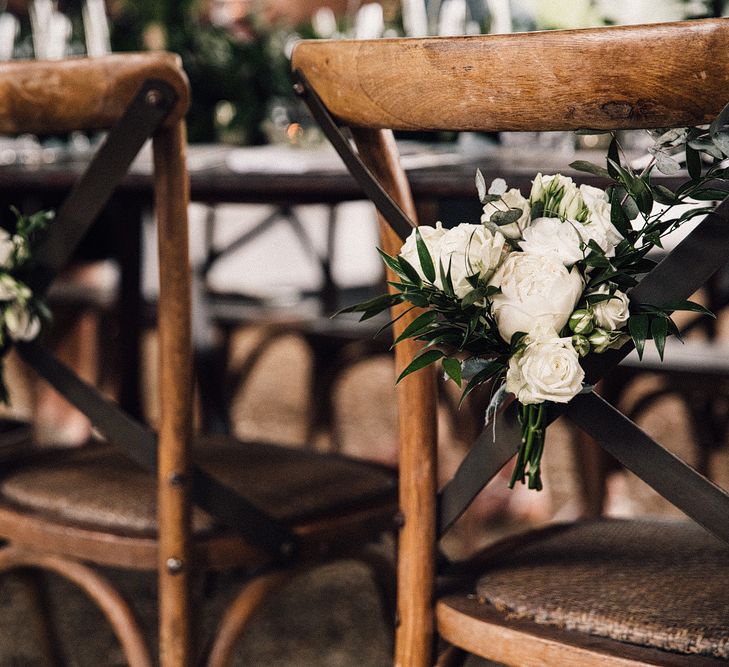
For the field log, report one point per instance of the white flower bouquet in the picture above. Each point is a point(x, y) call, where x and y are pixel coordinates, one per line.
point(21, 312)
point(543, 281)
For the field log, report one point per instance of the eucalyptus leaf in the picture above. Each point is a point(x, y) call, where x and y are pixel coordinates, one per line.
point(666, 164)
point(491, 369)
point(481, 186)
point(590, 168)
point(502, 218)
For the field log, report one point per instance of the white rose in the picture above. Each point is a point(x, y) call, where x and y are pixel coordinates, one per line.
point(7, 247)
point(613, 313)
point(11, 289)
point(552, 236)
point(548, 369)
point(470, 250)
point(432, 237)
point(510, 199)
point(598, 227)
point(534, 288)
point(20, 324)
point(558, 193)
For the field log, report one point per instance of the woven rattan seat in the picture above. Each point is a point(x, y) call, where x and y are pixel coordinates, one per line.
point(659, 584)
point(101, 488)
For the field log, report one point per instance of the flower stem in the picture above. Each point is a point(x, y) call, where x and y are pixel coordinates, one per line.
point(528, 461)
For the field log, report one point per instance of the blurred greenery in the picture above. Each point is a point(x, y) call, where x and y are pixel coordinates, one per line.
point(233, 76)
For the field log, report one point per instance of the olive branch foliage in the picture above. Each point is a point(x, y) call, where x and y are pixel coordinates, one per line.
point(450, 326)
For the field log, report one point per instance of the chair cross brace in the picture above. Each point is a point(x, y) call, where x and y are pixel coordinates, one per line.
point(139, 122)
point(677, 277)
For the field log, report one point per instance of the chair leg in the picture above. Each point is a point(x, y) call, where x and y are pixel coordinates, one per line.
point(452, 657)
point(239, 613)
point(37, 593)
point(117, 611)
point(382, 569)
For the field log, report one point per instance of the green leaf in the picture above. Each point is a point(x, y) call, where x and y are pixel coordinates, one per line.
point(378, 303)
point(663, 195)
point(642, 195)
point(473, 296)
point(502, 218)
point(491, 369)
point(590, 168)
point(421, 322)
point(691, 306)
point(445, 277)
point(718, 133)
point(617, 214)
point(613, 158)
point(537, 210)
point(638, 329)
point(392, 263)
point(421, 361)
point(409, 271)
point(659, 330)
point(693, 163)
point(426, 263)
point(709, 194)
point(452, 368)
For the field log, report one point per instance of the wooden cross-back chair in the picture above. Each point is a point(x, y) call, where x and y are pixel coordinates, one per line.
point(592, 593)
point(135, 501)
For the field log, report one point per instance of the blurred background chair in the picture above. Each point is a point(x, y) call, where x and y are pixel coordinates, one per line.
point(124, 502)
point(589, 593)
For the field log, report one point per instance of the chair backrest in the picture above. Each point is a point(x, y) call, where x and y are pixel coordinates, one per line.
point(610, 78)
point(133, 96)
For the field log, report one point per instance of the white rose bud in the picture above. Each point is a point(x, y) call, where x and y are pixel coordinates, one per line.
point(571, 204)
point(580, 321)
point(552, 236)
point(581, 345)
point(470, 250)
point(534, 288)
point(510, 199)
point(11, 289)
point(598, 226)
point(432, 237)
point(7, 248)
point(559, 195)
point(20, 324)
point(600, 340)
point(613, 313)
point(548, 369)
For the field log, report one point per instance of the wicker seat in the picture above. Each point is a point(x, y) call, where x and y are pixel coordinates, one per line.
point(592, 594)
point(96, 487)
point(650, 583)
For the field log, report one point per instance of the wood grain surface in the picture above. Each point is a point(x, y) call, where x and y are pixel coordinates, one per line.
point(619, 77)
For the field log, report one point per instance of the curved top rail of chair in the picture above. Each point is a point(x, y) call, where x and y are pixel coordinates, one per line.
point(679, 78)
point(34, 94)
